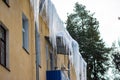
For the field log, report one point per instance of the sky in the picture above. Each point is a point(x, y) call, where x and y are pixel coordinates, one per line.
point(106, 12)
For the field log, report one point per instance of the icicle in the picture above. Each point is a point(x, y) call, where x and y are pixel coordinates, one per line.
point(56, 28)
point(35, 4)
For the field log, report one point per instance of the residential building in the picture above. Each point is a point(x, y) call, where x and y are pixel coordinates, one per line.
point(34, 45)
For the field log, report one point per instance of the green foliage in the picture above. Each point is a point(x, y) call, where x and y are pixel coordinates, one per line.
point(83, 27)
point(116, 55)
point(117, 60)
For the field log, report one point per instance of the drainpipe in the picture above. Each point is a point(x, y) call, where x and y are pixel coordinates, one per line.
point(37, 48)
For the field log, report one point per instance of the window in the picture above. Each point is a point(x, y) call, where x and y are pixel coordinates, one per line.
point(2, 46)
point(52, 61)
point(25, 33)
point(4, 50)
point(6, 2)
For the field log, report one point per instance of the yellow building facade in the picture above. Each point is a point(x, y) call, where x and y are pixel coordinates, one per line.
point(29, 49)
point(19, 62)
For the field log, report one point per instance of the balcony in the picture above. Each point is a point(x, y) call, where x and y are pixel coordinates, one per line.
point(56, 75)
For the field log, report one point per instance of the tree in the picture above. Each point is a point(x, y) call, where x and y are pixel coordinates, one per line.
point(83, 27)
point(115, 60)
point(116, 56)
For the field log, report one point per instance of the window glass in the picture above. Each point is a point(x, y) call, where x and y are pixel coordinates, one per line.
point(2, 46)
point(25, 32)
point(2, 33)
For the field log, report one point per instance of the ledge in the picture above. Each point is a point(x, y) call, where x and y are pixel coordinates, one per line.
point(6, 3)
point(5, 67)
point(26, 51)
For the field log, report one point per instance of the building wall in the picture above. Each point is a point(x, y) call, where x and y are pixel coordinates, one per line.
point(62, 63)
point(21, 63)
point(44, 31)
point(72, 73)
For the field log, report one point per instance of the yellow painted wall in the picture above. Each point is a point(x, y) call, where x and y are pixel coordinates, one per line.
point(72, 73)
point(21, 64)
point(43, 60)
point(62, 61)
point(43, 32)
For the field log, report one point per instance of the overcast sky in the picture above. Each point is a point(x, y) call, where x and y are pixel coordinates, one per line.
point(106, 11)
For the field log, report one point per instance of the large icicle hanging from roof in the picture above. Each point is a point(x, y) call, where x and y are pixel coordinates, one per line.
point(54, 23)
point(56, 28)
point(35, 4)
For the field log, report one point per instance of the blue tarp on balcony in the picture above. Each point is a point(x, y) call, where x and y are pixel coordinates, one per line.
point(55, 75)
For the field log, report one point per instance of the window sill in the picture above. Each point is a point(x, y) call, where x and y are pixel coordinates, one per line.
point(6, 3)
point(26, 51)
point(5, 67)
